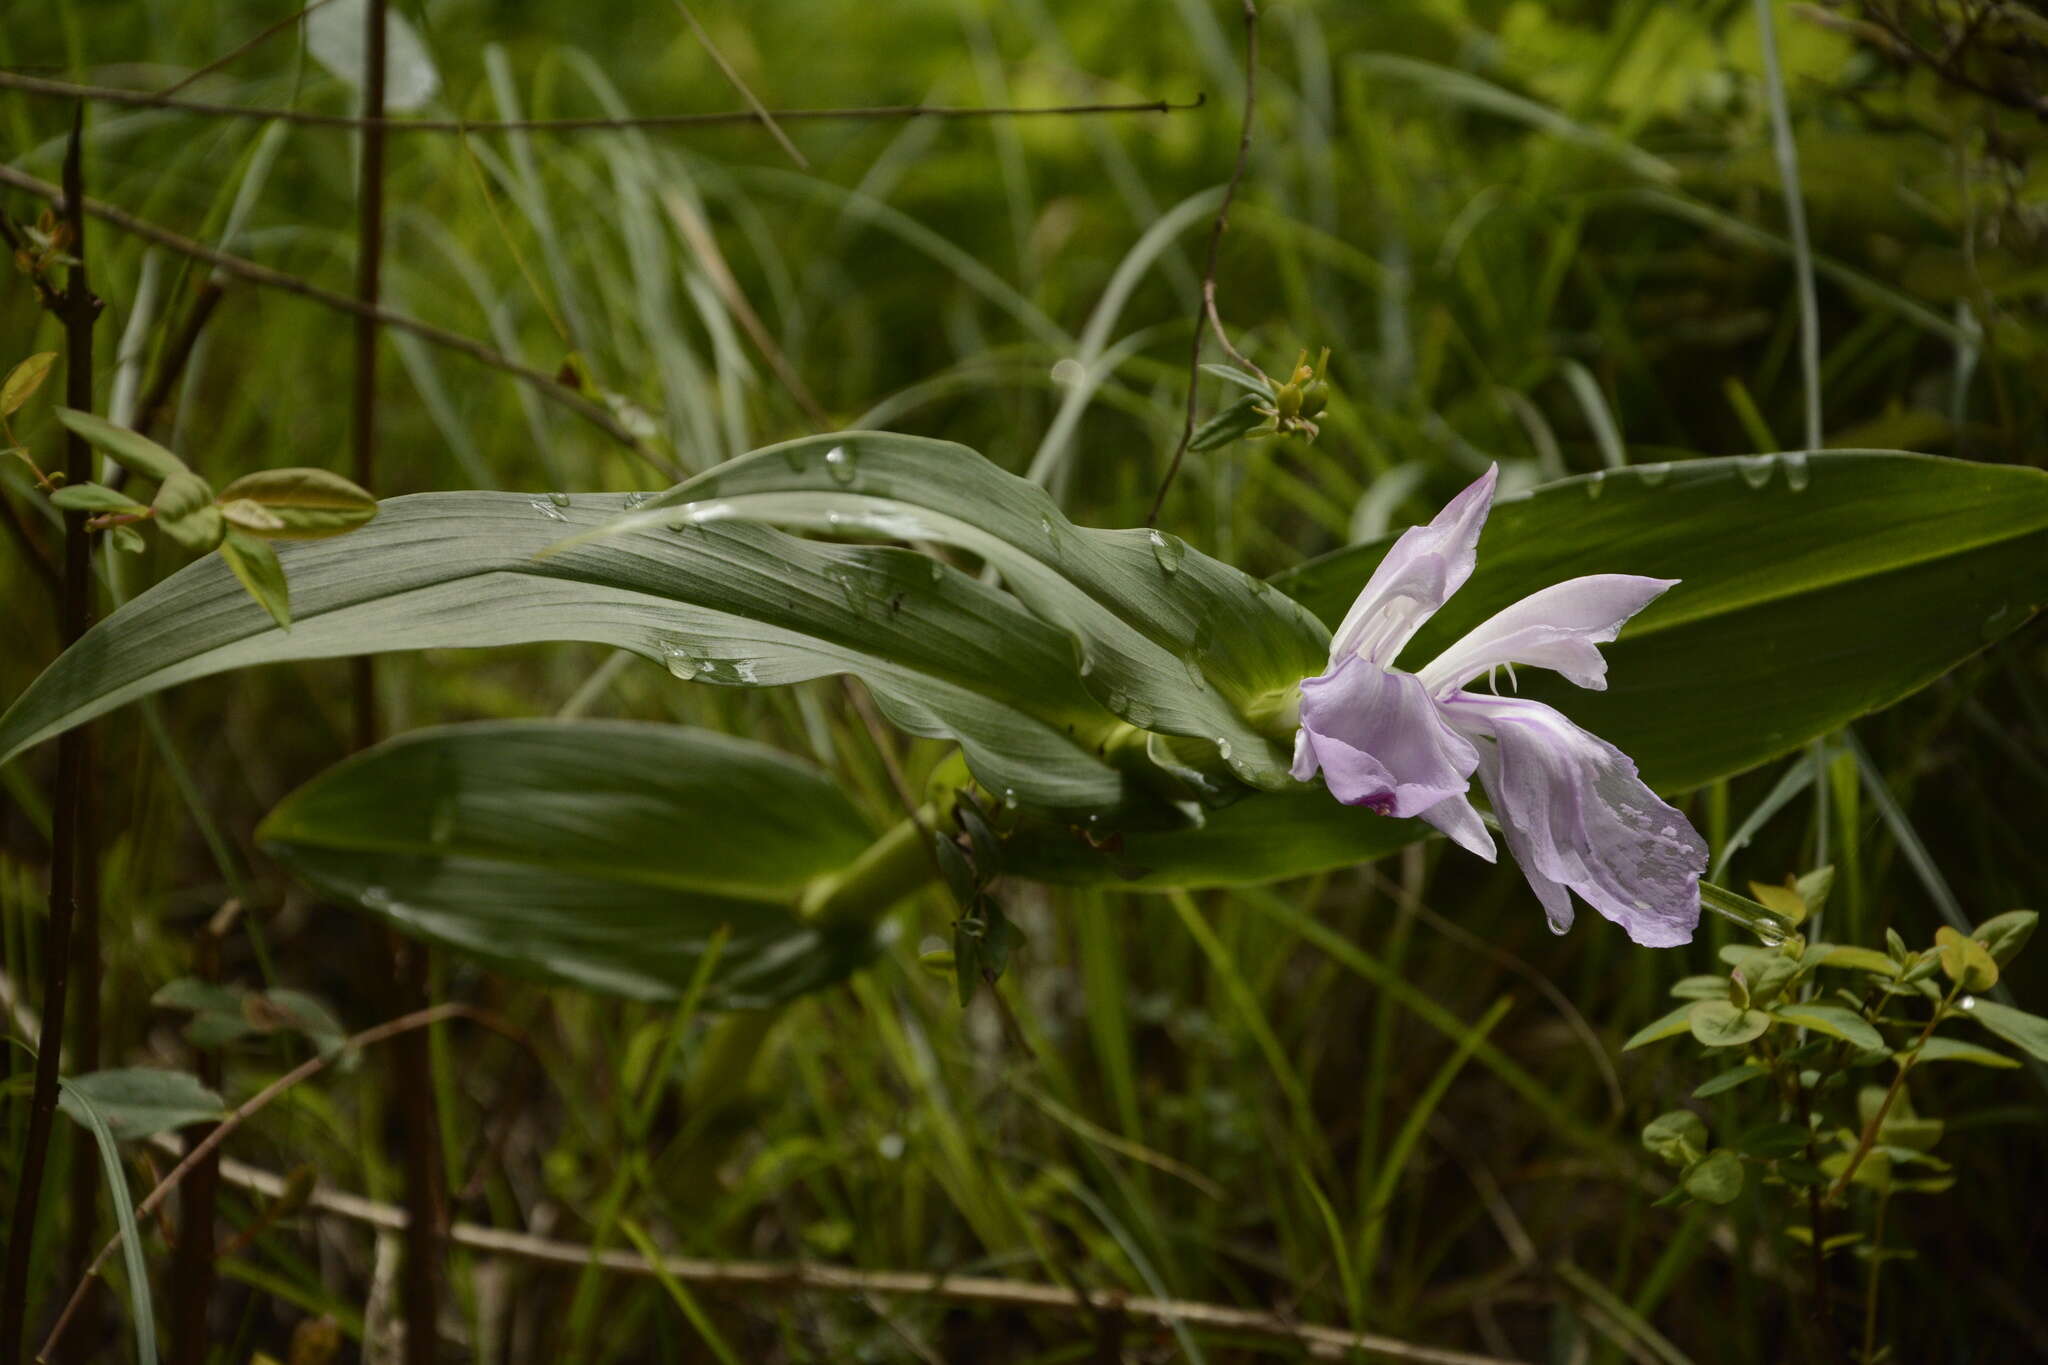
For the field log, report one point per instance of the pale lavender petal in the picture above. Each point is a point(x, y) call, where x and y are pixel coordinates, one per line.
point(1381, 741)
point(1560, 627)
point(1305, 764)
point(1419, 574)
point(1576, 815)
point(1455, 818)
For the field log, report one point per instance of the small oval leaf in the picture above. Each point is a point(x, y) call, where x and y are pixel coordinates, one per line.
point(302, 504)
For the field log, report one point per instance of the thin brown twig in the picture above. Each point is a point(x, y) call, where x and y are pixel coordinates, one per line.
point(733, 77)
point(1320, 1341)
point(1206, 314)
point(236, 52)
point(144, 99)
point(269, 278)
point(1884, 1107)
point(247, 1110)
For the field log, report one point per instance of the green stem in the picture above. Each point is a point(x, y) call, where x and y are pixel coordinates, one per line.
point(894, 866)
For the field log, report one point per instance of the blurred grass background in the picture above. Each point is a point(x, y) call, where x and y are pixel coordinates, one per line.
point(1550, 235)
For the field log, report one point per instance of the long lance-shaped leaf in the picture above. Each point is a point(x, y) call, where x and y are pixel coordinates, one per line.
point(1173, 641)
point(732, 605)
point(1814, 589)
point(606, 853)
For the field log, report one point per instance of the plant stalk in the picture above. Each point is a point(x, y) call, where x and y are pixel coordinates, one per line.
point(73, 850)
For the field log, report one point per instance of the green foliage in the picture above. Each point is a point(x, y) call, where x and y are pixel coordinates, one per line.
point(1808, 1157)
point(281, 504)
point(139, 1102)
point(609, 854)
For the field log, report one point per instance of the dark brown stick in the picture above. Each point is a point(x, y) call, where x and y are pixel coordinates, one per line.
point(1206, 312)
point(411, 1076)
point(72, 847)
point(369, 278)
point(268, 278)
point(143, 99)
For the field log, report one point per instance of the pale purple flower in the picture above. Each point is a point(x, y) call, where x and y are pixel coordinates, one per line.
point(1576, 816)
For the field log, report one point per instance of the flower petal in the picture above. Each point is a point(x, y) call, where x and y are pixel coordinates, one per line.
point(1576, 815)
point(1457, 821)
point(1558, 628)
point(1380, 740)
point(1419, 574)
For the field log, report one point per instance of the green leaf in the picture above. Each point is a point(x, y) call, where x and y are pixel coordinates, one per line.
point(1858, 959)
point(128, 540)
point(1965, 961)
point(2004, 935)
point(1670, 1026)
point(93, 497)
point(1230, 374)
point(1721, 1023)
point(255, 566)
point(1717, 1179)
point(2028, 1032)
point(1232, 423)
point(1892, 568)
point(185, 509)
point(1729, 1079)
point(140, 1102)
point(1677, 1138)
point(1833, 1020)
point(1767, 980)
point(23, 380)
point(1169, 639)
point(303, 504)
point(131, 449)
point(1701, 988)
point(76, 1100)
point(605, 853)
point(1955, 1050)
point(727, 605)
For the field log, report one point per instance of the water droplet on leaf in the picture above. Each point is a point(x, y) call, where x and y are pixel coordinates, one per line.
point(839, 462)
point(1168, 550)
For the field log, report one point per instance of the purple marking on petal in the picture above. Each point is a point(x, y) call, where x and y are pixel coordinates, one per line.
point(1418, 575)
point(1380, 740)
point(1576, 815)
point(1560, 627)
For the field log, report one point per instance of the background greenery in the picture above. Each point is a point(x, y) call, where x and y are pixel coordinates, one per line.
point(1549, 235)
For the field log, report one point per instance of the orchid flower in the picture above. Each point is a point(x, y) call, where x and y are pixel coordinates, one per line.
point(1576, 816)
